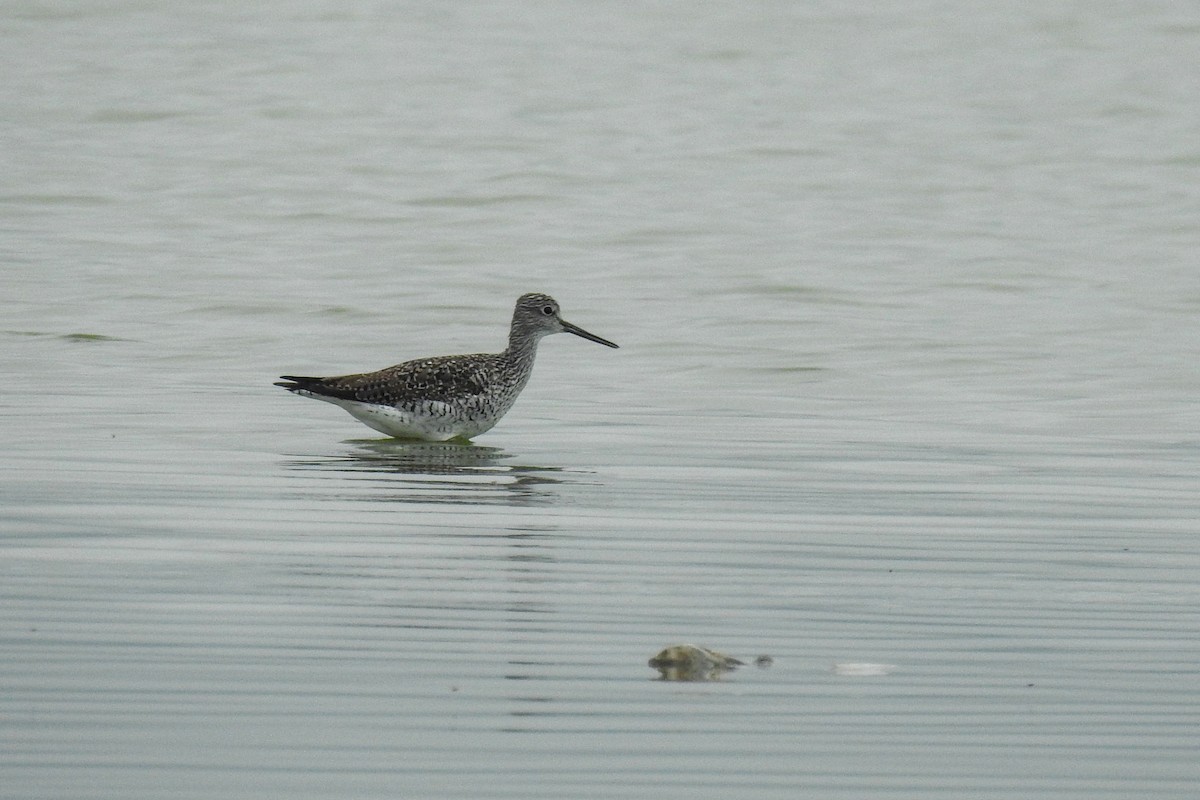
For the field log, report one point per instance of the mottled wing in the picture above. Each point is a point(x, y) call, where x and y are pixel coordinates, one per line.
point(442, 379)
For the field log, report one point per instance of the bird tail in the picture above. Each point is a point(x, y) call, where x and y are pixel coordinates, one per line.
point(294, 382)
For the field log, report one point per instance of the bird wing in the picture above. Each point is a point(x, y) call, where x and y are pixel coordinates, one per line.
point(441, 379)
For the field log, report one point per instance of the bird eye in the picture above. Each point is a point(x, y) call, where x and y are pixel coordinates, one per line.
point(548, 310)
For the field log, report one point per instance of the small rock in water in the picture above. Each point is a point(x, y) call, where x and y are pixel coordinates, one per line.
point(687, 662)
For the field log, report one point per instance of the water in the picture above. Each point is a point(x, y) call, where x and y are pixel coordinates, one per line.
point(906, 300)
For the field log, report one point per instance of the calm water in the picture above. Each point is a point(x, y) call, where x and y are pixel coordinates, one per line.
point(907, 299)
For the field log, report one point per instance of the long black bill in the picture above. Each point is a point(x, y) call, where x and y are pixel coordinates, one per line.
point(575, 329)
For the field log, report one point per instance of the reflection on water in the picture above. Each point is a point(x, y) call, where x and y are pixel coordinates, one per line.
point(436, 472)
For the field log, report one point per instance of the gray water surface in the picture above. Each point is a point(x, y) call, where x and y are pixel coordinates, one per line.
point(907, 303)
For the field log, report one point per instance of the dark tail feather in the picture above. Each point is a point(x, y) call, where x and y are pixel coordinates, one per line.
point(320, 387)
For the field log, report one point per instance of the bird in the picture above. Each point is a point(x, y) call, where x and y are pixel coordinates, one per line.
point(446, 397)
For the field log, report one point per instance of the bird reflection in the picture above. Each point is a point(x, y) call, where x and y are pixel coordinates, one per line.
point(437, 472)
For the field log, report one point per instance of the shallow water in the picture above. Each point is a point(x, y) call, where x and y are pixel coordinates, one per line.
point(905, 400)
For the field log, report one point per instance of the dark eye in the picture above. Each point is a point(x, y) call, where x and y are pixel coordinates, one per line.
point(548, 310)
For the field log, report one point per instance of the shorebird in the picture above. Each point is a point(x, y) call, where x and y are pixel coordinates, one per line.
point(445, 397)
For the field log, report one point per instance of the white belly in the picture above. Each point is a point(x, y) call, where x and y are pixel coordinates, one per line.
point(434, 422)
